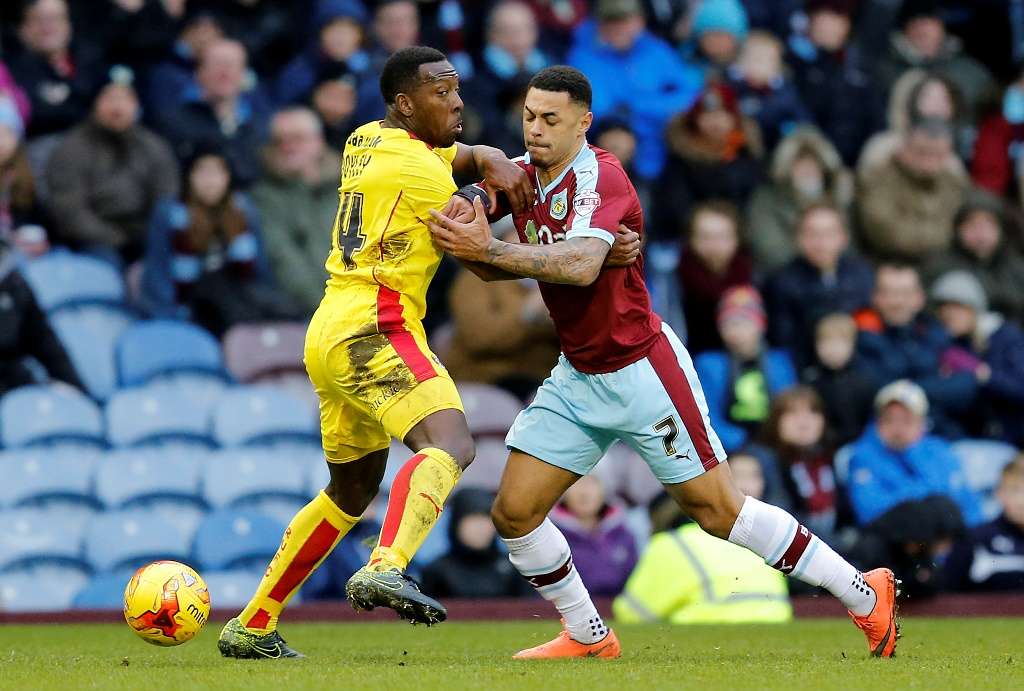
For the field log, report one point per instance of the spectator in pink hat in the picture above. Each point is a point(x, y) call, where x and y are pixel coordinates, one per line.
point(740, 381)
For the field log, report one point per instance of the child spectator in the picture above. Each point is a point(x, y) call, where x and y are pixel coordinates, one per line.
point(765, 92)
point(474, 567)
point(796, 431)
point(907, 489)
point(845, 389)
point(823, 278)
point(991, 558)
point(712, 262)
point(740, 381)
point(204, 257)
point(604, 550)
point(713, 581)
point(988, 348)
point(806, 169)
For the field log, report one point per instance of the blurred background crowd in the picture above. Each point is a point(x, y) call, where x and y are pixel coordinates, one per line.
point(832, 193)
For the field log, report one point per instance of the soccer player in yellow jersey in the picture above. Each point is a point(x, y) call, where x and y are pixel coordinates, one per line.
point(366, 352)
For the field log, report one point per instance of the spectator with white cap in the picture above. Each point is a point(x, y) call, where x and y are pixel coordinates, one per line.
point(907, 488)
point(988, 347)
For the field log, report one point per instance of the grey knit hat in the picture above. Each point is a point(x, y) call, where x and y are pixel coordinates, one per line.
point(962, 288)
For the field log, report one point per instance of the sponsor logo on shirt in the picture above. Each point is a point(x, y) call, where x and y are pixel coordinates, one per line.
point(586, 202)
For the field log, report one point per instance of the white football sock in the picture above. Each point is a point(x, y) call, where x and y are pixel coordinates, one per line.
point(784, 544)
point(542, 557)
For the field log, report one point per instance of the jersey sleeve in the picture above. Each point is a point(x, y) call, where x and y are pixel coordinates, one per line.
point(601, 201)
point(426, 187)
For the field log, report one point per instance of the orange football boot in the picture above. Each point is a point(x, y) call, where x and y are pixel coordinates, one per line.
point(880, 625)
point(564, 646)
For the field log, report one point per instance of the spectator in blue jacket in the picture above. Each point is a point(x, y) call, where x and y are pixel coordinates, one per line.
point(896, 461)
point(907, 490)
point(740, 382)
point(166, 83)
point(907, 343)
point(987, 347)
point(510, 57)
point(991, 558)
point(823, 278)
point(222, 111)
point(336, 51)
point(636, 76)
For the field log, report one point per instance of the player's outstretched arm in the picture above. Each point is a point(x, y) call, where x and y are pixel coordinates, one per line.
point(573, 262)
point(500, 174)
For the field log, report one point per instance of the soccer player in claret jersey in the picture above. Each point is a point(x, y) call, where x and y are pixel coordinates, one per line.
point(622, 375)
point(367, 356)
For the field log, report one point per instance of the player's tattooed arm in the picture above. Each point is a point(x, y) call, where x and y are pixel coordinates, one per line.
point(574, 262)
point(500, 174)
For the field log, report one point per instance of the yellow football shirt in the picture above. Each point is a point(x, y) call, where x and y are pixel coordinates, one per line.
point(389, 182)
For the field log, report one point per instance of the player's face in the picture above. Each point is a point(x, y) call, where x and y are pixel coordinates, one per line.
point(1011, 495)
point(436, 104)
point(553, 126)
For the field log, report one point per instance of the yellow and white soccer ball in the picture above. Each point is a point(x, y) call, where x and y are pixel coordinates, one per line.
point(166, 603)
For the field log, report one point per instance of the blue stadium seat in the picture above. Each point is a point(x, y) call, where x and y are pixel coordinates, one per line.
point(45, 477)
point(155, 415)
point(262, 415)
point(281, 509)
point(46, 414)
point(983, 461)
point(44, 590)
point(103, 591)
point(39, 536)
point(62, 279)
point(89, 334)
point(229, 539)
point(151, 349)
point(135, 476)
point(232, 589)
point(239, 474)
point(132, 538)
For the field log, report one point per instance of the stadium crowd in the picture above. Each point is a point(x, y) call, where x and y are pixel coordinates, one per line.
point(833, 197)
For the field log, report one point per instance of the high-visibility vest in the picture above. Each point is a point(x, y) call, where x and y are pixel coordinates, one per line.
point(686, 576)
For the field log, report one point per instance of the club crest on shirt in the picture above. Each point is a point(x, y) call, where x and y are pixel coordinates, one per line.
point(560, 205)
point(586, 202)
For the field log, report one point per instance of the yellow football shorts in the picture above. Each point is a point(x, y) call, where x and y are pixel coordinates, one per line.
point(373, 372)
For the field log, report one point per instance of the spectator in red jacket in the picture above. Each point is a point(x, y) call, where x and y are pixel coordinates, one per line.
point(997, 150)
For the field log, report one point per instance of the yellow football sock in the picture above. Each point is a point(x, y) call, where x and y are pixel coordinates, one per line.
point(417, 495)
point(308, 539)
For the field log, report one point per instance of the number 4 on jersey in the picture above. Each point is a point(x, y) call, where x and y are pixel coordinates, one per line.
point(350, 227)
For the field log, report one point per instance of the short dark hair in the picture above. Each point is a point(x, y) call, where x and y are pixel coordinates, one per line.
point(564, 78)
point(402, 70)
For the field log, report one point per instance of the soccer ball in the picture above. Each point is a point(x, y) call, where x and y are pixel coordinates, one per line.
point(166, 603)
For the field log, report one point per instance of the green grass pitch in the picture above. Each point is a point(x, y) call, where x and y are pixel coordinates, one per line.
point(818, 654)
